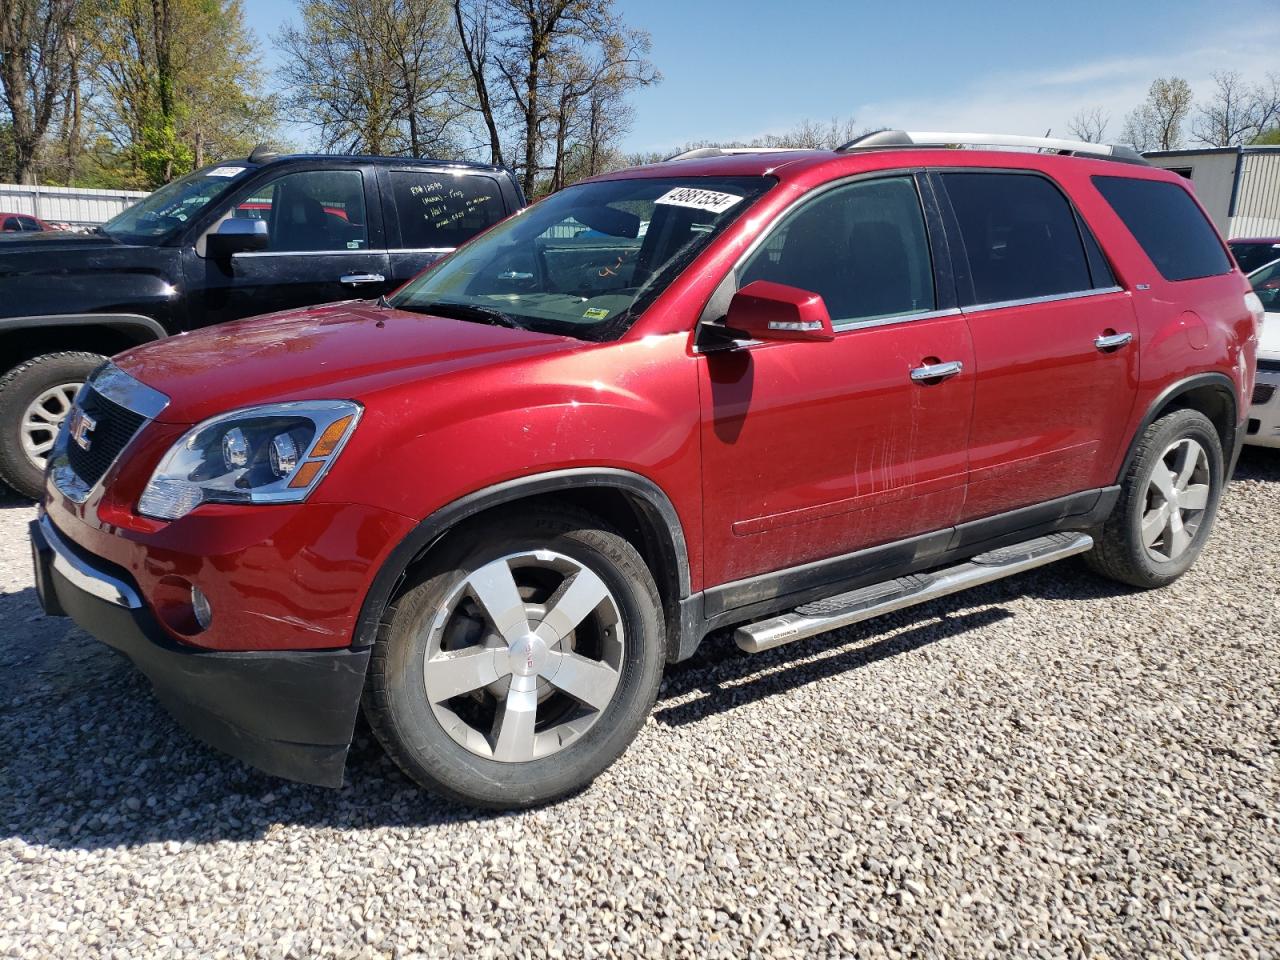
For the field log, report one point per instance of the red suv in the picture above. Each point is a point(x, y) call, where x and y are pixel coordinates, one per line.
point(785, 391)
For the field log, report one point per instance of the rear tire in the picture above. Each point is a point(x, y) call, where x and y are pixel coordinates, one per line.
point(35, 397)
point(520, 662)
point(1168, 500)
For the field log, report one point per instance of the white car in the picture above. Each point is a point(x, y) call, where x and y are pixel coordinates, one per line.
point(1264, 415)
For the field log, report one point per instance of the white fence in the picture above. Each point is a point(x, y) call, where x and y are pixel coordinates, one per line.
point(74, 205)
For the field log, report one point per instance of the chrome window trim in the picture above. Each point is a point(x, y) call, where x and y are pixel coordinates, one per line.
point(840, 326)
point(306, 253)
point(1047, 298)
point(120, 388)
point(422, 249)
point(81, 574)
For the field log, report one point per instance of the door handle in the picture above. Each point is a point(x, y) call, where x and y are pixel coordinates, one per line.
point(1112, 341)
point(355, 279)
point(936, 371)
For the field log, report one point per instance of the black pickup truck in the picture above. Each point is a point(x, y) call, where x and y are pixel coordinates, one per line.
point(240, 238)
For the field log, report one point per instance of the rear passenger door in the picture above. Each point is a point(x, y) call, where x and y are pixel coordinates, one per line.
point(813, 450)
point(430, 213)
point(1055, 341)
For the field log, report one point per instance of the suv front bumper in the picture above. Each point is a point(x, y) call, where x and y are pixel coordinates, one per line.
point(1264, 415)
point(288, 713)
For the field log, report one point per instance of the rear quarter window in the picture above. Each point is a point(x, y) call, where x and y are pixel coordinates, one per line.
point(1168, 225)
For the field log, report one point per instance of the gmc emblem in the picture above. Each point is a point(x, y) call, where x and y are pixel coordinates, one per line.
point(81, 426)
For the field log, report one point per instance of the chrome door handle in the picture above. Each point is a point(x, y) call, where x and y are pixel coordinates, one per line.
point(1112, 341)
point(936, 371)
point(355, 279)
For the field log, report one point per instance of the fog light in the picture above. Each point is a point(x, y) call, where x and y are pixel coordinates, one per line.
point(200, 605)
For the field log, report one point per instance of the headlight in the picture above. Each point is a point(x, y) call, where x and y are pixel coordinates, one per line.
point(269, 454)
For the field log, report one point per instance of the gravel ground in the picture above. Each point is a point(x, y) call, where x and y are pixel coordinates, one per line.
point(1050, 766)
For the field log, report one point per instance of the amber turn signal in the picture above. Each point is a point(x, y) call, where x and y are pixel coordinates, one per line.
point(328, 441)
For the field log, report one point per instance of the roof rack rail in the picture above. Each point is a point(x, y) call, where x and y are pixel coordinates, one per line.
point(703, 152)
point(885, 139)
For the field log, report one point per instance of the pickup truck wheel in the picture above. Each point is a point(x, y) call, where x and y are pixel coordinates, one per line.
point(35, 397)
point(1168, 500)
point(521, 663)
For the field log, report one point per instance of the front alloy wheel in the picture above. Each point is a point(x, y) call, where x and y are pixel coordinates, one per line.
point(523, 656)
point(521, 659)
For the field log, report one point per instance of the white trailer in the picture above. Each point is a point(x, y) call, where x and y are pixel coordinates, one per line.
point(1239, 186)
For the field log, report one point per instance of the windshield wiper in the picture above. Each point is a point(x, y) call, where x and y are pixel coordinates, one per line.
point(465, 311)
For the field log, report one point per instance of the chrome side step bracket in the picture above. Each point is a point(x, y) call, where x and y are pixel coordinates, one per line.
point(880, 598)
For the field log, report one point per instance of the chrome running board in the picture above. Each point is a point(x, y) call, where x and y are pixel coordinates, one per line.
point(879, 598)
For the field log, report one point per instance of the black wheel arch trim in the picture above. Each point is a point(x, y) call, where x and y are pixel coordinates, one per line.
point(661, 515)
point(1230, 448)
point(124, 322)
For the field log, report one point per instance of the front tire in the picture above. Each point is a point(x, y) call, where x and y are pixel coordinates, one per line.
point(521, 661)
point(35, 397)
point(1168, 500)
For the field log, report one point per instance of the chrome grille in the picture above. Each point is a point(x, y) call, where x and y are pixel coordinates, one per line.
point(114, 427)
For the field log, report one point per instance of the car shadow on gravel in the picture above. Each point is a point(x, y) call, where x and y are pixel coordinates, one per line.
point(1258, 463)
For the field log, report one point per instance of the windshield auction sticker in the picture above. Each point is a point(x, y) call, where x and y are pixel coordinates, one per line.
point(710, 200)
point(225, 171)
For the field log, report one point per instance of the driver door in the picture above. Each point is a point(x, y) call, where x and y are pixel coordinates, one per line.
point(814, 450)
point(325, 244)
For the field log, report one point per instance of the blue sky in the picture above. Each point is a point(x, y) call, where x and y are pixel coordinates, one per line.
point(742, 68)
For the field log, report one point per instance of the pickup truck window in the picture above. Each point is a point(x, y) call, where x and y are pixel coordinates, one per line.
point(443, 210)
point(311, 210)
point(588, 260)
point(157, 216)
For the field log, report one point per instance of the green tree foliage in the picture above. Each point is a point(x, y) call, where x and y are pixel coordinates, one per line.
point(177, 84)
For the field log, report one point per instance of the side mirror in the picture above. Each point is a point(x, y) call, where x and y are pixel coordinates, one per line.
point(774, 311)
point(236, 236)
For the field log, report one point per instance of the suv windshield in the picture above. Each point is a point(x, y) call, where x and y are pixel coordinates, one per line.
point(154, 217)
point(585, 262)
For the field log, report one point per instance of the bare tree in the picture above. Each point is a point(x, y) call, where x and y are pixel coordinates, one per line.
point(376, 76)
point(545, 49)
point(1090, 124)
point(1156, 124)
point(472, 22)
point(1232, 115)
point(35, 72)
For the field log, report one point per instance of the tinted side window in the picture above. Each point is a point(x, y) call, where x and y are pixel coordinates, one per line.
point(312, 210)
point(11, 225)
point(442, 209)
point(1167, 223)
point(1020, 236)
point(863, 247)
point(29, 224)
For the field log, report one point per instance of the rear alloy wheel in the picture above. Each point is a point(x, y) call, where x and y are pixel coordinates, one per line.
point(1168, 498)
point(1176, 500)
point(521, 663)
point(35, 398)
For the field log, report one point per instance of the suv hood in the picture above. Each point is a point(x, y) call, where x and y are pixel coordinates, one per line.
point(52, 241)
point(338, 351)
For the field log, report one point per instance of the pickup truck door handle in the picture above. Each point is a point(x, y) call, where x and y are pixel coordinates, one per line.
point(1112, 341)
point(355, 279)
point(932, 372)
